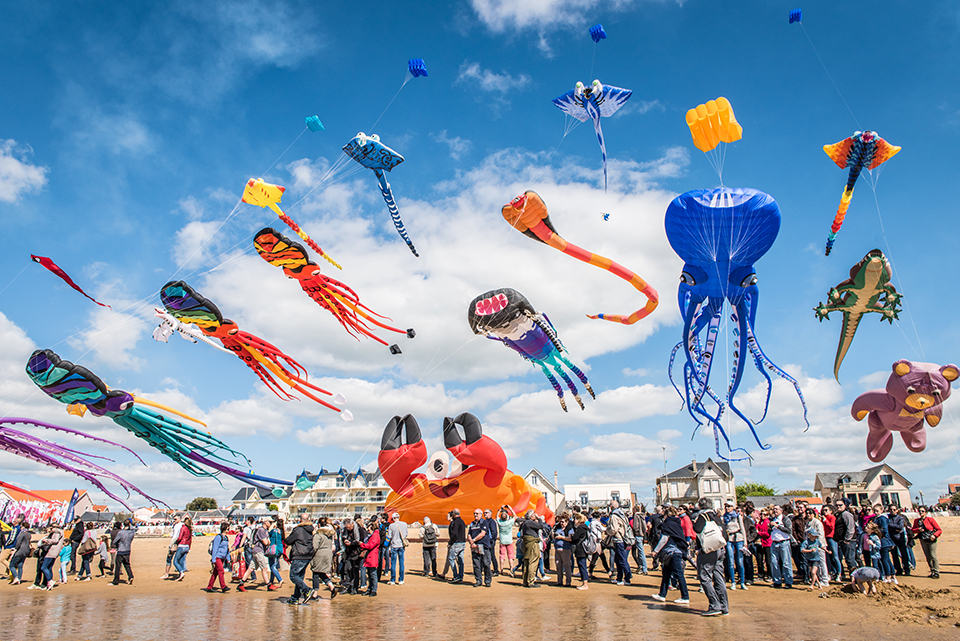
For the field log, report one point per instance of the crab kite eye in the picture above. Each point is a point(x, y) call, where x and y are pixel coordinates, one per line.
point(911, 390)
point(749, 281)
point(440, 467)
point(687, 279)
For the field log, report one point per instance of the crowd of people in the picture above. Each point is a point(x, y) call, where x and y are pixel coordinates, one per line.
point(733, 547)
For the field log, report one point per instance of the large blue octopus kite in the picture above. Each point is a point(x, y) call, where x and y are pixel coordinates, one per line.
point(720, 233)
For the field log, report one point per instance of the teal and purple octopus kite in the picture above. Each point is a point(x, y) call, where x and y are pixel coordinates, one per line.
point(83, 390)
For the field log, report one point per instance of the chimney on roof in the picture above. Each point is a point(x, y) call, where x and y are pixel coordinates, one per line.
point(693, 466)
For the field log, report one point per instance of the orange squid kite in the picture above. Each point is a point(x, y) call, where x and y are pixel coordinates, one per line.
point(528, 213)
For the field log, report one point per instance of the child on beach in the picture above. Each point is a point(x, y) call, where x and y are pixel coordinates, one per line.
point(64, 562)
point(811, 552)
point(104, 553)
point(873, 532)
point(865, 580)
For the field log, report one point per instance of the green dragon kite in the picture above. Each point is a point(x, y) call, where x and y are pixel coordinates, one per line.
point(867, 290)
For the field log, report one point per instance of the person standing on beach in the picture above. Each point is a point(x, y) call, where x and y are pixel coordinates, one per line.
point(530, 536)
point(781, 531)
point(618, 528)
point(275, 553)
point(172, 548)
point(219, 553)
point(321, 565)
point(300, 542)
point(397, 538)
point(429, 536)
point(184, 541)
point(505, 523)
point(458, 541)
point(258, 554)
point(478, 536)
point(581, 534)
point(9, 548)
point(53, 543)
point(123, 541)
point(928, 531)
point(21, 551)
point(76, 536)
point(490, 549)
point(712, 547)
point(351, 557)
point(845, 534)
point(371, 558)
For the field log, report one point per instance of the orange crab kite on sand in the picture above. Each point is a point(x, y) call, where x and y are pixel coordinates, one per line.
point(528, 213)
point(478, 476)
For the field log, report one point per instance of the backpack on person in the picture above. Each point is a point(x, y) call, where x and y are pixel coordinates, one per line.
point(629, 538)
point(430, 535)
point(710, 538)
point(591, 544)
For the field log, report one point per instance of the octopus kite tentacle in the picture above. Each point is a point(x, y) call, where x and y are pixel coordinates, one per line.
point(265, 359)
point(64, 458)
point(334, 296)
point(528, 213)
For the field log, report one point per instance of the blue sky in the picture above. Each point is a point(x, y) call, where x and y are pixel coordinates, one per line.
point(128, 133)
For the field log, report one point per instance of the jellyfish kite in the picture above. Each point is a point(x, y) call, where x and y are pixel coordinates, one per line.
point(82, 390)
point(63, 458)
point(505, 315)
point(528, 214)
point(373, 154)
point(313, 123)
point(867, 290)
point(329, 293)
point(862, 150)
point(597, 33)
point(263, 194)
point(183, 303)
point(55, 269)
point(796, 15)
point(592, 103)
point(720, 234)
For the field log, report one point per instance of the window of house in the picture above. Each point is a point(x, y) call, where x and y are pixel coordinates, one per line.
point(340, 481)
point(614, 496)
point(584, 498)
point(886, 479)
point(358, 509)
point(674, 489)
point(711, 486)
point(534, 480)
point(379, 496)
point(361, 496)
point(863, 499)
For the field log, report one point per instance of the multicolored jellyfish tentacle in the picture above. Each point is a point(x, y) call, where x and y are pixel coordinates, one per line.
point(394, 210)
point(579, 374)
point(557, 367)
point(554, 382)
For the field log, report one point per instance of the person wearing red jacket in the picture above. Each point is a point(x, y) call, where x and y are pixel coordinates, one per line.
point(371, 557)
point(927, 530)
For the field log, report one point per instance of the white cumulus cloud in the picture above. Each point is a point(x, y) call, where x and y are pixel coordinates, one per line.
point(17, 174)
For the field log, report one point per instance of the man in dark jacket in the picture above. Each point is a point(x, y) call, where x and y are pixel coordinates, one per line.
point(458, 542)
point(76, 535)
point(710, 564)
point(845, 534)
point(653, 532)
point(300, 544)
point(350, 539)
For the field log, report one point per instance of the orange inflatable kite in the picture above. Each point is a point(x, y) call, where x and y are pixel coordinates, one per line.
point(477, 478)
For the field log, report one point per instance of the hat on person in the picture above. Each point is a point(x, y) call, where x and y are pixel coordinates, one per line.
point(731, 504)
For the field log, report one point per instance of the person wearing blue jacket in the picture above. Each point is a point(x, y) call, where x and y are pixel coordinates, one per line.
point(219, 553)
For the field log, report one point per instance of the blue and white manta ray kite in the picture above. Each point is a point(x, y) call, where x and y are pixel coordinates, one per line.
point(373, 154)
point(594, 102)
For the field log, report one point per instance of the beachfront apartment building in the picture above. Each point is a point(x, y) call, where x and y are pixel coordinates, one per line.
point(878, 484)
point(689, 483)
point(336, 494)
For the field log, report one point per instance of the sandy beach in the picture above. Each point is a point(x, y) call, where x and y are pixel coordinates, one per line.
point(431, 609)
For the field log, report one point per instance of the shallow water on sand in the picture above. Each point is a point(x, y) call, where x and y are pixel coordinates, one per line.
point(463, 613)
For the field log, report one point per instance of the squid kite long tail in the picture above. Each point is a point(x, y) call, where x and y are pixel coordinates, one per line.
point(528, 213)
